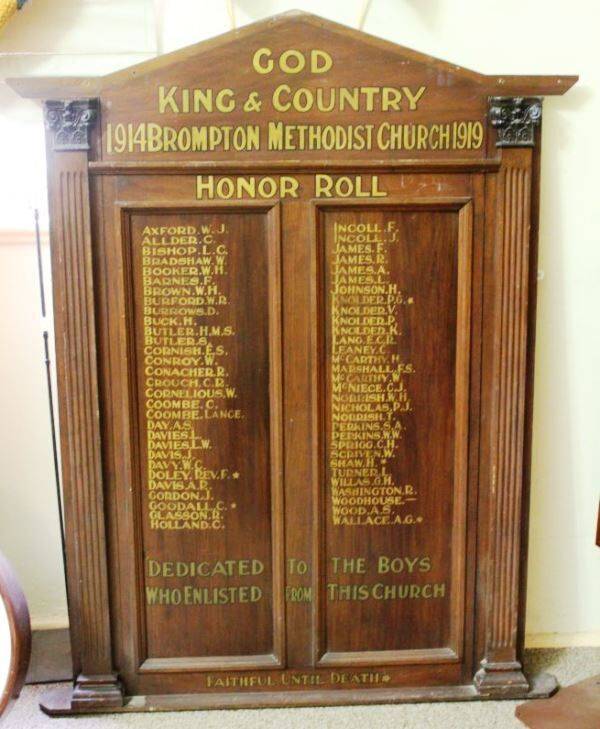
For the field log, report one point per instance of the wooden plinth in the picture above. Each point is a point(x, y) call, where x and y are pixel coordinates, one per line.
point(58, 701)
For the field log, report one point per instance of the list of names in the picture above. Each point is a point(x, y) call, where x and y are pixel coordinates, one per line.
point(369, 378)
point(187, 336)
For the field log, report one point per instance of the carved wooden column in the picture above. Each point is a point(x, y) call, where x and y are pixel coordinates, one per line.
point(68, 127)
point(501, 671)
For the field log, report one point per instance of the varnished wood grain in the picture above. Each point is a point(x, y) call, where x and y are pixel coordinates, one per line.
point(16, 617)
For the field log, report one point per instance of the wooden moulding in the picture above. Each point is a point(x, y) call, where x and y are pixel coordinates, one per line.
point(15, 607)
point(501, 670)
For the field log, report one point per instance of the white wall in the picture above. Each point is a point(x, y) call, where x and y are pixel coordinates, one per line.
point(74, 37)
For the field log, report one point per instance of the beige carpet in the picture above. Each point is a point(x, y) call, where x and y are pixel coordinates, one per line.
point(568, 665)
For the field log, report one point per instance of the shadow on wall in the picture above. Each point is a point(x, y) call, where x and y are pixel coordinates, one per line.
point(74, 38)
point(37, 31)
point(55, 27)
point(347, 14)
point(427, 10)
point(258, 9)
point(41, 27)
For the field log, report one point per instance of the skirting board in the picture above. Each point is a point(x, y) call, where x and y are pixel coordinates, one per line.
point(563, 640)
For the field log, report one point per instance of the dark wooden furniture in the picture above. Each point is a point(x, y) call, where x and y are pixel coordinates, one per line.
point(577, 705)
point(14, 606)
point(294, 279)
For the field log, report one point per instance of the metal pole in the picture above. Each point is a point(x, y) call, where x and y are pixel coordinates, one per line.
point(38, 247)
point(47, 364)
point(55, 453)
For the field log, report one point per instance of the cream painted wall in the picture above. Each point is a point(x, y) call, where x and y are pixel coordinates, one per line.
point(74, 37)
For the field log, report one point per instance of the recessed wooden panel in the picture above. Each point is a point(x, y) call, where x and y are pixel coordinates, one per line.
point(395, 319)
point(205, 327)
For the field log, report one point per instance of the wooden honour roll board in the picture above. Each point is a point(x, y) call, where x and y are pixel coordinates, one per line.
point(294, 282)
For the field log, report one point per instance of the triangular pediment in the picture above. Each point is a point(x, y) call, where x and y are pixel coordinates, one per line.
point(297, 24)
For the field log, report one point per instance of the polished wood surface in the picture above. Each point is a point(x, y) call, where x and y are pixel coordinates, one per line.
point(15, 607)
point(573, 706)
point(295, 282)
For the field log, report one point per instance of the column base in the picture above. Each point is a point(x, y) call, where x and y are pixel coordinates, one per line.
point(501, 680)
point(101, 692)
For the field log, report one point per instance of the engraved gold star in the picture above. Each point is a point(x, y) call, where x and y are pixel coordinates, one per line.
point(235, 474)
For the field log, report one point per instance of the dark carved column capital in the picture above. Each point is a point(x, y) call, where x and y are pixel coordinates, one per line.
point(70, 123)
point(515, 119)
